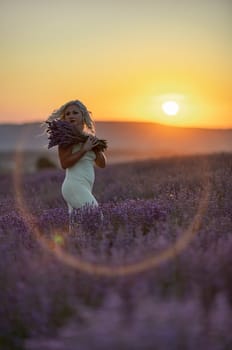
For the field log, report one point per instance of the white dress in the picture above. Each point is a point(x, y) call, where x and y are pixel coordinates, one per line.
point(79, 179)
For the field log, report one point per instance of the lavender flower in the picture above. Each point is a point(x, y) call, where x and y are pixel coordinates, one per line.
point(63, 133)
point(146, 207)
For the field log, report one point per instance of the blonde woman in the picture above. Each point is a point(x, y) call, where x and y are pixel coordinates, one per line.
point(78, 159)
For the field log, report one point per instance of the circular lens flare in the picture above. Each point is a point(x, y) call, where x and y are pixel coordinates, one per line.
point(55, 245)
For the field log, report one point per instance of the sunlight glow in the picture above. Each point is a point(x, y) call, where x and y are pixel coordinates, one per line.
point(170, 107)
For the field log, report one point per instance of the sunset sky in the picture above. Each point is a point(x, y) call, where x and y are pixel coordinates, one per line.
point(121, 58)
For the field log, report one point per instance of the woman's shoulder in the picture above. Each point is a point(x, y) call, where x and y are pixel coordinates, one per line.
point(64, 151)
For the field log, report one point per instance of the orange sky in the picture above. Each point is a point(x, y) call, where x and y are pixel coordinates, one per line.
point(122, 61)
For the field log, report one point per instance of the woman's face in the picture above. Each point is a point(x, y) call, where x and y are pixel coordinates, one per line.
point(73, 115)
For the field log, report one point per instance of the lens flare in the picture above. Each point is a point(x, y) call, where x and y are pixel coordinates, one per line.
point(55, 244)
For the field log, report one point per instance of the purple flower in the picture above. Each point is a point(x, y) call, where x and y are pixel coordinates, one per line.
point(63, 133)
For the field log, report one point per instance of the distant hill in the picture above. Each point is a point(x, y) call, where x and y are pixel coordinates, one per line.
point(127, 136)
point(127, 140)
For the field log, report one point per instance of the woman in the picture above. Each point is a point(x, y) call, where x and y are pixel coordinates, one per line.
point(78, 160)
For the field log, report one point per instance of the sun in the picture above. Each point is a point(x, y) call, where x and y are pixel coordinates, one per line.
point(170, 107)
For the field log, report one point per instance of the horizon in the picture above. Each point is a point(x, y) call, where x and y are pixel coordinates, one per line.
point(129, 122)
point(150, 62)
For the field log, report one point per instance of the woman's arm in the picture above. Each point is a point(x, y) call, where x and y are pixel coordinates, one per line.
point(100, 159)
point(68, 159)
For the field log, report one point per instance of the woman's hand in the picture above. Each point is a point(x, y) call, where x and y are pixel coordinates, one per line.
point(91, 142)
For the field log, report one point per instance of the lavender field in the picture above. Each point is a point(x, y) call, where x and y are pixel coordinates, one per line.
point(151, 268)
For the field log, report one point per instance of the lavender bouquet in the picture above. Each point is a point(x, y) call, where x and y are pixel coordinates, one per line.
point(63, 133)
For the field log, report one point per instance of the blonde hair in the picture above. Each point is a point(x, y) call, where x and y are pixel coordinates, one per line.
point(60, 114)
